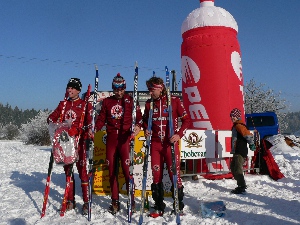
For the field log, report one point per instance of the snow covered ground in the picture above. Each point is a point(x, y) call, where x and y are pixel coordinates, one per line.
point(24, 170)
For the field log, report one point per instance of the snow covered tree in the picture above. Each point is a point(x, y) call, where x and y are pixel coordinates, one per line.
point(261, 99)
point(10, 131)
point(36, 131)
point(1, 131)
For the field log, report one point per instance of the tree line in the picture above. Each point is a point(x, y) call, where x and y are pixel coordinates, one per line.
point(12, 120)
point(293, 120)
point(15, 116)
point(31, 127)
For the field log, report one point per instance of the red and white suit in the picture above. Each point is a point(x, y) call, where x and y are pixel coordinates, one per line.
point(116, 114)
point(160, 144)
point(73, 111)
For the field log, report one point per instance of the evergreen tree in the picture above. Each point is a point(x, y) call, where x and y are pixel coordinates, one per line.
point(15, 116)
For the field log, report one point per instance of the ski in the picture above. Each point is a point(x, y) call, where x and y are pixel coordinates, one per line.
point(91, 145)
point(47, 188)
point(145, 166)
point(131, 154)
point(171, 130)
point(50, 167)
point(70, 172)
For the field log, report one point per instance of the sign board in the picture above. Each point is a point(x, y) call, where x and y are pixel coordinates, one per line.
point(101, 185)
point(197, 144)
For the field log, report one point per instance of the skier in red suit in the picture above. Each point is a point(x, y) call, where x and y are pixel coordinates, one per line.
point(161, 140)
point(72, 111)
point(116, 114)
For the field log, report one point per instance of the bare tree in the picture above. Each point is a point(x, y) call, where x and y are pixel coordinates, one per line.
point(258, 98)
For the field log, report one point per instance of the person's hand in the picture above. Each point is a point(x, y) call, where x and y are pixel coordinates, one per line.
point(252, 147)
point(147, 133)
point(73, 131)
point(136, 130)
point(174, 138)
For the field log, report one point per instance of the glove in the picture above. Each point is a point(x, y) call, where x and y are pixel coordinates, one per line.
point(252, 147)
point(73, 131)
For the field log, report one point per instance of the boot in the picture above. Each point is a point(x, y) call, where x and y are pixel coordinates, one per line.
point(158, 197)
point(180, 199)
point(114, 207)
point(70, 205)
point(239, 190)
point(85, 208)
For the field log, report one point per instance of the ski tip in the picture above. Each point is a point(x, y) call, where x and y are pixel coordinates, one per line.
point(136, 64)
point(96, 67)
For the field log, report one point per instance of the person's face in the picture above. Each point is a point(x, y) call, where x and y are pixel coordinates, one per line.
point(73, 93)
point(119, 93)
point(155, 92)
point(233, 119)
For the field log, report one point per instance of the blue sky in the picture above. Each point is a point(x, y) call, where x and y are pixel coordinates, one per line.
point(44, 43)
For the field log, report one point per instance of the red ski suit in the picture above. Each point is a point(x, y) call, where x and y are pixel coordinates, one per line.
point(73, 111)
point(160, 144)
point(116, 114)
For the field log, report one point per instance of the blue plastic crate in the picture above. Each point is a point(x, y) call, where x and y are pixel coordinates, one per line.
point(212, 209)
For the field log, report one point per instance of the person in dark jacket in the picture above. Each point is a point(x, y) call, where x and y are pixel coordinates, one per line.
point(161, 141)
point(72, 111)
point(240, 137)
point(116, 114)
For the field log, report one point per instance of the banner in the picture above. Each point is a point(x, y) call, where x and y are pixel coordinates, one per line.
point(101, 184)
point(198, 144)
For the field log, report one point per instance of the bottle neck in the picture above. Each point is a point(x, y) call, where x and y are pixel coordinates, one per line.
point(206, 3)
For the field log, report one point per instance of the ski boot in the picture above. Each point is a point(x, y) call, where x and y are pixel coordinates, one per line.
point(114, 207)
point(70, 205)
point(158, 197)
point(85, 208)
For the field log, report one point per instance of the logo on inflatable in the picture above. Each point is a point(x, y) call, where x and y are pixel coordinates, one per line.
point(197, 111)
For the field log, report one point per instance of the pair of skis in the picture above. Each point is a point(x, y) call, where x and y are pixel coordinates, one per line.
point(131, 153)
point(171, 130)
point(91, 146)
point(50, 167)
point(145, 166)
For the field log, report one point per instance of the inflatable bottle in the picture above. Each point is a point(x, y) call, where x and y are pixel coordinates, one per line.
point(212, 80)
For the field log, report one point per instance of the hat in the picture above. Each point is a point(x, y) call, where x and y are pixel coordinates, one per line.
point(118, 82)
point(235, 113)
point(75, 83)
